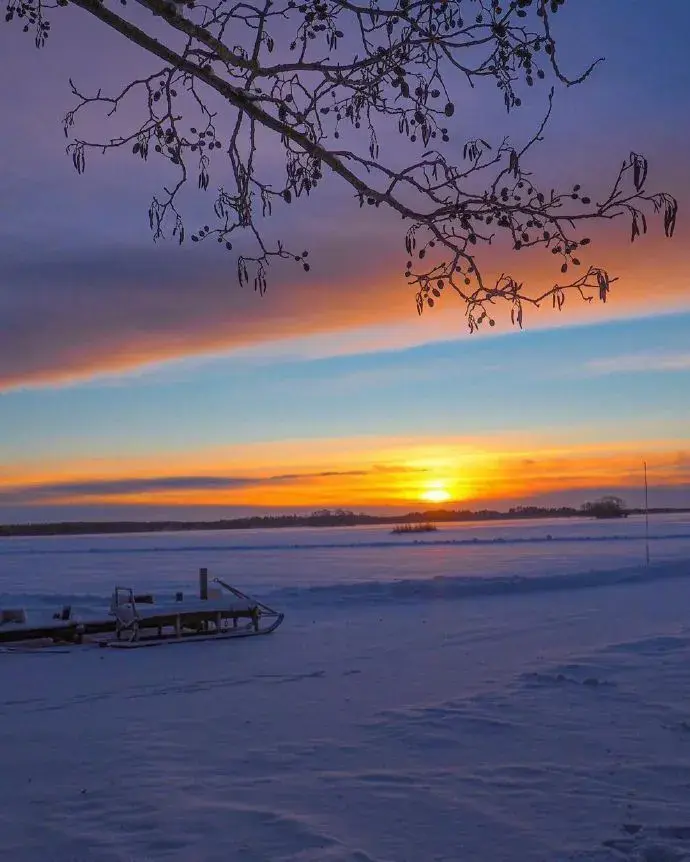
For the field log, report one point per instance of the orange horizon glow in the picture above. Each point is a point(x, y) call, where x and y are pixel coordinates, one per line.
point(358, 473)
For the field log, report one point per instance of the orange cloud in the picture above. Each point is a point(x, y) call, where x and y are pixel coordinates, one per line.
point(112, 318)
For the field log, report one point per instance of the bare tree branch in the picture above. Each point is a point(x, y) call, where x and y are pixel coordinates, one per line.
point(324, 82)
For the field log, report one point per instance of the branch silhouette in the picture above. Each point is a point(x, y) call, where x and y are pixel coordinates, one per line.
point(323, 82)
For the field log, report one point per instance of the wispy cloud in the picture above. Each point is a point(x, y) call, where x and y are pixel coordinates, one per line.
point(151, 485)
point(639, 363)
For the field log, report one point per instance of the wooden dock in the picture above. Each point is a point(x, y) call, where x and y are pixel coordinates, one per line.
point(138, 620)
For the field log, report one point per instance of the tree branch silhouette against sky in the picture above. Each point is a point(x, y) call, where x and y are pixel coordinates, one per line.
point(322, 86)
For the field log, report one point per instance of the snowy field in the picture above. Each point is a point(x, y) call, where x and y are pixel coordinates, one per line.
point(487, 693)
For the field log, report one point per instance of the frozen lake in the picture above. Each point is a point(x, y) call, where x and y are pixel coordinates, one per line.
point(303, 563)
point(486, 693)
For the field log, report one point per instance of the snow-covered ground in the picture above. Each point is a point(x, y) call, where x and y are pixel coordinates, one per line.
point(511, 698)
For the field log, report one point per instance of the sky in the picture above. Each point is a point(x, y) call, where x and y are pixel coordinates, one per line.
point(138, 380)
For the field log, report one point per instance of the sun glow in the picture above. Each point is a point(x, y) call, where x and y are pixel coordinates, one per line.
point(435, 492)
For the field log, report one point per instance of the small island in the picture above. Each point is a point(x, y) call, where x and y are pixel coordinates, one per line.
point(605, 508)
point(414, 528)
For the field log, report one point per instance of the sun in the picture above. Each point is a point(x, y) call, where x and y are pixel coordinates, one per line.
point(436, 495)
point(435, 492)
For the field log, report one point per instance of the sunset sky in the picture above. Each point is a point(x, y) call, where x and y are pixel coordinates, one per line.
point(140, 381)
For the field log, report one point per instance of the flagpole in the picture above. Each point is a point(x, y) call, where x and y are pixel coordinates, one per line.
point(646, 513)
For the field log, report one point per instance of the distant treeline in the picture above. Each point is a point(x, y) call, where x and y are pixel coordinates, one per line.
point(321, 518)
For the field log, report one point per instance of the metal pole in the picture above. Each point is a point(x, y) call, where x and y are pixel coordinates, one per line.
point(646, 514)
point(203, 583)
